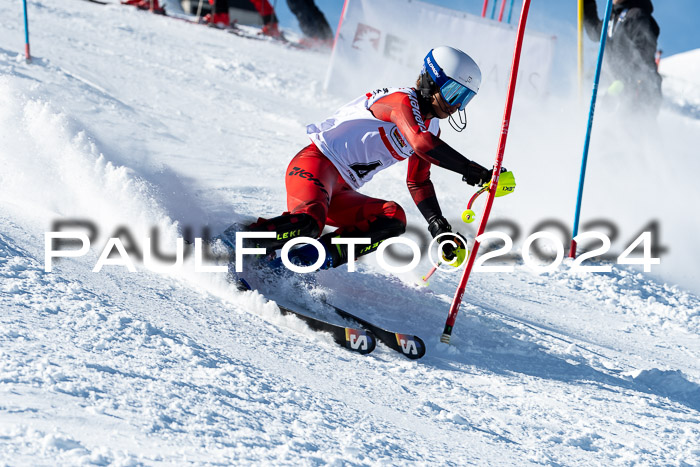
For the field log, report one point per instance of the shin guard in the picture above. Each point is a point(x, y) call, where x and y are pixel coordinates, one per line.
point(380, 230)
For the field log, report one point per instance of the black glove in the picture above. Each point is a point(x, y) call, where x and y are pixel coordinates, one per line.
point(476, 174)
point(439, 225)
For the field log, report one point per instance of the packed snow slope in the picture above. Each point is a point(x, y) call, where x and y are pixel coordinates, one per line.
point(680, 73)
point(133, 121)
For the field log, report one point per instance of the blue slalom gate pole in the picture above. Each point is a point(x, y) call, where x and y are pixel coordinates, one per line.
point(510, 11)
point(26, 32)
point(493, 10)
point(586, 145)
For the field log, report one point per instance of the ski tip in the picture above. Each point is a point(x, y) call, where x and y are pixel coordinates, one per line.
point(360, 340)
point(411, 346)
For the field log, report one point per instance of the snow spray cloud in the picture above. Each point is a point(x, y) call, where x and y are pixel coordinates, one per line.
point(52, 165)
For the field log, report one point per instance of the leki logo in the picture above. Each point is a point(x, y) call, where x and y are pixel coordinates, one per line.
point(290, 234)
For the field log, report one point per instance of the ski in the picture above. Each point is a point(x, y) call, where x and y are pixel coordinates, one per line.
point(409, 345)
point(240, 32)
point(357, 340)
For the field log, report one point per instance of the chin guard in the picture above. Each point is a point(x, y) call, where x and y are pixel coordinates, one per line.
point(462, 121)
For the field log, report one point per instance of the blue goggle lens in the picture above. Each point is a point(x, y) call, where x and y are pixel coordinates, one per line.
point(455, 93)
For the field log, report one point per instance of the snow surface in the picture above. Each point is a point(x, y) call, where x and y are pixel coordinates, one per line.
point(129, 119)
point(681, 73)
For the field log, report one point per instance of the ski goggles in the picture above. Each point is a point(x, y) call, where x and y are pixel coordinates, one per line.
point(455, 93)
point(452, 92)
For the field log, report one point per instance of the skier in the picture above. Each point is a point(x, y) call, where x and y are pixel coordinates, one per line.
point(152, 5)
point(220, 14)
point(312, 22)
point(365, 136)
point(630, 52)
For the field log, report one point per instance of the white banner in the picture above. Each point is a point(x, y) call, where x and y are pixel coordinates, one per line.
point(382, 43)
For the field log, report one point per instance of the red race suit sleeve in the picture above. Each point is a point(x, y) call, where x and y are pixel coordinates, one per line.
point(403, 110)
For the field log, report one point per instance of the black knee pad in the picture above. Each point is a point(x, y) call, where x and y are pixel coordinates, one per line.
point(379, 230)
point(286, 227)
point(386, 227)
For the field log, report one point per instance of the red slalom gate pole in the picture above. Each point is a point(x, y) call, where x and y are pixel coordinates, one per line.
point(340, 24)
point(503, 9)
point(486, 5)
point(459, 294)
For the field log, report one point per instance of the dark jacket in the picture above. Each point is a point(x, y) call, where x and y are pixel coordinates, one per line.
point(631, 46)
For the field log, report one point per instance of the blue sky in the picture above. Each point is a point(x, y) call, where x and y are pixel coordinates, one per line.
point(678, 18)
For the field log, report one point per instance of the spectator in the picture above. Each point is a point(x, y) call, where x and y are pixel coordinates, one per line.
point(311, 21)
point(630, 52)
point(220, 14)
point(151, 5)
point(270, 22)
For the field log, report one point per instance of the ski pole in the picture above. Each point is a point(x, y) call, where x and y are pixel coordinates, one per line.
point(26, 32)
point(432, 271)
point(589, 129)
point(459, 294)
point(337, 35)
point(503, 9)
point(510, 10)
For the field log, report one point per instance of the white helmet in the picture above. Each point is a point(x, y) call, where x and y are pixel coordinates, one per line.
point(454, 73)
